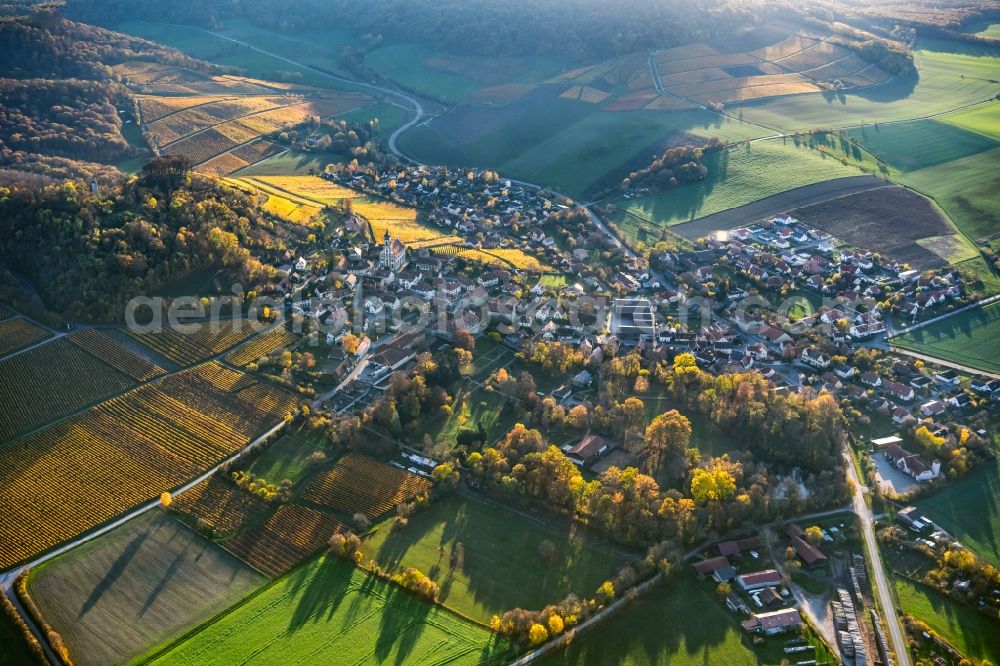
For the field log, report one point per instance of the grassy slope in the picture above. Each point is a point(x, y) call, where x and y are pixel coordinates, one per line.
point(563, 143)
point(137, 586)
point(736, 177)
point(286, 458)
point(940, 88)
point(921, 143)
point(983, 119)
point(330, 612)
point(680, 625)
point(971, 632)
point(978, 528)
point(15, 650)
point(502, 569)
point(968, 338)
point(217, 50)
point(413, 66)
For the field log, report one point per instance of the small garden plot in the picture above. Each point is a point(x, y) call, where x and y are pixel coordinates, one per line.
point(331, 612)
point(359, 484)
point(287, 458)
point(141, 584)
point(289, 537)
point(19, 333)
point(219, 505)
point(487, 559)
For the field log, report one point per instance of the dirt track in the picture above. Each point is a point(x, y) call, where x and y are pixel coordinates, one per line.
point(779, 203)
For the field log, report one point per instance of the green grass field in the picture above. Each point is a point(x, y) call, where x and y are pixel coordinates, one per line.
point(940, 88)
point(15, 650)
point(918, 144)
point(139, 585)
point(328, 611)
point(978, 529)
point(501, 568)
point(562, 143)
point(983, 119)
point(477, 408)
point(737, 176)
point(451, 78)
point(969, 338)
point(680, 624)
point(966, 190)
point(705, 436)
point(972, 633)
point(991, 30)
point(286, 458)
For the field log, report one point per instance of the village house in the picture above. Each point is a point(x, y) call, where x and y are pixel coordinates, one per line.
point(589, 450)
point(911, 464)
point(775, 622)
point(758, 579)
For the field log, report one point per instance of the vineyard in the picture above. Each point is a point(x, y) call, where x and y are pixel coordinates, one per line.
point(190, 348)
point(285, 539)
point(358, 484)
point(220, 504)
point(74, 475)
point(19, 333)
point(42, 384)
point(6, 312)
point(313, 188)
point(259, 347)
point(237, 158)
point(108, 350)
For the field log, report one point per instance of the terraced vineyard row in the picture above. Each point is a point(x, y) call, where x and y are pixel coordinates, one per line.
point(260, 346)
point(111, 352)
point(79, 473)
point(48, 382)
point(6, 312)
point(190, 348)
point(285, 539)
point(358, 484)
point(19, 333)
point(220, 504)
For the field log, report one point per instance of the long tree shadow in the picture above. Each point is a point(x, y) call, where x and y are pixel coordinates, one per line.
point(115, 572)
point(168, 575)
point(325, 589)
point(401, 624)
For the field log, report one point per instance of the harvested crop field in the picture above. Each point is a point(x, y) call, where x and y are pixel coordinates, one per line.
point(331, 612)
point(779, 203)
point(135, 587)
point(889, 220)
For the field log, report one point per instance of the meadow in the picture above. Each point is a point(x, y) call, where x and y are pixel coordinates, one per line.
point(983, 119)
point(286, 458)
point(486, 558)
point(135, 587)
point(737, 176)
point(968, 338)
point(450, 78)
point(969, 631)
point(979, 530)
point(565, 144)
point(330, 611)
point(918, 144)
point(966, 190)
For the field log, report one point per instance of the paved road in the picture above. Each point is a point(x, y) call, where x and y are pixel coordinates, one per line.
point(880, 583)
